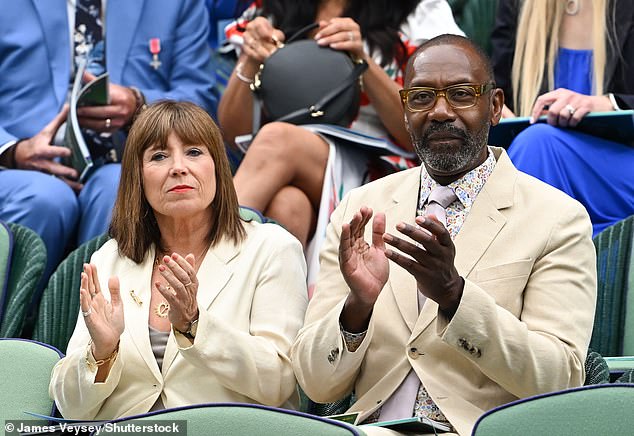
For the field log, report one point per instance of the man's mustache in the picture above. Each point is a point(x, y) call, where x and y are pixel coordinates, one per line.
point(444, 128)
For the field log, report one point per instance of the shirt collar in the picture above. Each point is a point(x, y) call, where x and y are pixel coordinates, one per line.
point(466, 187)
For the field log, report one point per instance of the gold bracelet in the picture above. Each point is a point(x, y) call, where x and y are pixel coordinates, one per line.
point(100, 362)
point(241, 76)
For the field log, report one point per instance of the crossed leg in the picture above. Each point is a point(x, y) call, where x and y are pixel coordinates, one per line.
point(282, 175)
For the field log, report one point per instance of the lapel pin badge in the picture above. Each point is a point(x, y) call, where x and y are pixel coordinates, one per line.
point(136, 299)
point(155, 49)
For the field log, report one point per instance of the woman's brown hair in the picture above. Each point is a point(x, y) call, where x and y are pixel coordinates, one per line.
point(133, 225)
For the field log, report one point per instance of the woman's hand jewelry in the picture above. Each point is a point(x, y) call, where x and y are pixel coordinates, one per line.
point(341, 34)
point(181, 288)
point(104, 319)
point(261, 39)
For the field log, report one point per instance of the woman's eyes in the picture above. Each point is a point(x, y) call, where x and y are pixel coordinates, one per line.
point(161, 155)
point(194, 152)
point(158, 156)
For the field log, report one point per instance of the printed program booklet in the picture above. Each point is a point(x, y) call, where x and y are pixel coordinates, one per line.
point(94, 93)
point(415, 424)
point(380, 146)
point(615, 126)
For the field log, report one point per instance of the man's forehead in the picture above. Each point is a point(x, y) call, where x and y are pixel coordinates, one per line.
point(452, 63)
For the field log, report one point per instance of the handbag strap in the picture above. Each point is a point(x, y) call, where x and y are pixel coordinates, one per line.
point(257, 101)
point(315, 110)
point(301, 32)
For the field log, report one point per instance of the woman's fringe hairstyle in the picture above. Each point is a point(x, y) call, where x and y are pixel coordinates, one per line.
point(134, 226)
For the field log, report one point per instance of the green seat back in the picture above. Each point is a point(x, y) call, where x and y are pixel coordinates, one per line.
point(626, 377)
point(628, 324)
point(597, 370)
point(28, 261)
point(59, 305)
point(326, 409)
point(25, 373)
point(476, 18)
point(6, 248)
point(591, 410)
point(247, 419)
point(614, 262)
point(249, 214)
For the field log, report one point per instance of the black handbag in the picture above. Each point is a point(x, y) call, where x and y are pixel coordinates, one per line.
point(304, 83)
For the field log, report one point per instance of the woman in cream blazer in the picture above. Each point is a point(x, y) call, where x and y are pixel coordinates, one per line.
point(161, 329)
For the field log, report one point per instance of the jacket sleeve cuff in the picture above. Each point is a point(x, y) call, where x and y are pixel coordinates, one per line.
point(7, 154)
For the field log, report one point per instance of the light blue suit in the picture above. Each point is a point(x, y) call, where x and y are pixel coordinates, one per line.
point(35, 62)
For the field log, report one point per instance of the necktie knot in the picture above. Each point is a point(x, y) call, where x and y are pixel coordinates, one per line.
point(442, 195)
point(439, 199)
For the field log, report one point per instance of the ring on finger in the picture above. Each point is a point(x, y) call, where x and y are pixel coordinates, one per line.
point(571, 110)
point(189, 284)
point(108, 123)
point(87, 313)
point(277, 42)
point(351, 36)
point(92, 294)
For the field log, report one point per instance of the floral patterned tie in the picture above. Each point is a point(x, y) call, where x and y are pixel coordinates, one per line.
point(88, 38)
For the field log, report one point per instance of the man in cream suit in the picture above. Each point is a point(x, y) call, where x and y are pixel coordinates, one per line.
point(446, 322)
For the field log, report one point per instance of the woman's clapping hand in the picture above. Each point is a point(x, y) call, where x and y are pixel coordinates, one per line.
point(103, 318)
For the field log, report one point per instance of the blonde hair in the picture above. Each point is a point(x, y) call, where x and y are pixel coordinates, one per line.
point(537, 43)
point(134, 226)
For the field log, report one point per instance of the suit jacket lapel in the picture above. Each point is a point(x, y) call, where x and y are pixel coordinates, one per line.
point(401, 282)
point(480, 228)
point(119, 37)
point(137, 315)
point(54, 23)
point(485, 220)
point(213, 275)
point(214, 272)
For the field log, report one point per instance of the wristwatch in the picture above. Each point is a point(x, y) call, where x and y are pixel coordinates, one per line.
point(191, 331)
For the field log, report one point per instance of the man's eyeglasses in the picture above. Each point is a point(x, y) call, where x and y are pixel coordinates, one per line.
point(461, 96)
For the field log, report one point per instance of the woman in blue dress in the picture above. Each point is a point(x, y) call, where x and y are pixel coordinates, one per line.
point(564, 59)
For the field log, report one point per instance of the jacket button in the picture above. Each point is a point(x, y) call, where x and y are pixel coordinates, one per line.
point(334, 353)
point(413, 353)
point(475, 351)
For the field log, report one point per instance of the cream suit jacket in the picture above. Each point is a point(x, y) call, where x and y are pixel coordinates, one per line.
point(252, 299)
point(523, 324)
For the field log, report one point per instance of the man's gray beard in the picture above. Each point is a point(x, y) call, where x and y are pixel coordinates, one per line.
point(453, 161)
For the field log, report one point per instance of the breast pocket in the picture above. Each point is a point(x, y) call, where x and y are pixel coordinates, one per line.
point(505, 282)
